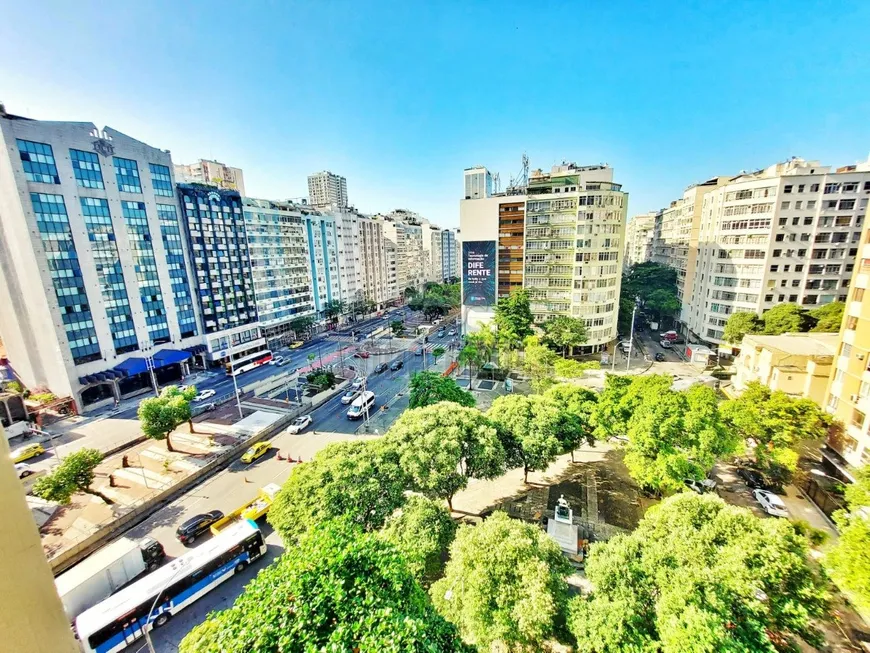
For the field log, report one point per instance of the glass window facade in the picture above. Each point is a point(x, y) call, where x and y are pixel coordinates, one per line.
point(66, 275)
point(171, 232)
point(161, 180)
point(86, 167)
point(127, 175)
point(104, 249)
point(142, 250)
point(38, 162)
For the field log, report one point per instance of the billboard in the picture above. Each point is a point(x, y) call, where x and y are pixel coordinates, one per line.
point(478, 273)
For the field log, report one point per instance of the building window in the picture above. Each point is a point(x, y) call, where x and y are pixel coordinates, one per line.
point(161, 180)
point(787, 189)
point(768, 298)
point(800, 267)
point(833, 402)
point(142, 249)
point(38, 162)
point(851, 323)
point(795, 283)
point(785, 205)
point(86, 168)
point(127, 175)
point(808, 220)
point(846, 350)
point(774, 268)
point(858, 418)
point(795, 222)
point(782, 222)
point(858, 294)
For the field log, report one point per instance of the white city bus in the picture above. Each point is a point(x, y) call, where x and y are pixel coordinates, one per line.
point(121, 619)
point(248, 363)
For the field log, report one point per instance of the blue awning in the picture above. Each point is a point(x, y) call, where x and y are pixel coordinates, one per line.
point(132, 366)
point(196, 349)
point(166, 357)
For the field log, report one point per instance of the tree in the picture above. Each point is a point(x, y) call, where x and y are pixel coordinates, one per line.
point(160, 416)
point(422, 531)
point(74, 474)
point(505, 583)
point(564, 333)
point(429, 388)
point(538, 362)
point(441, 446)
point(333, 310)
point(785, 318)
point(774, 423)
point(301, 325)
point(619, 399)
point(470, 356)
point(828, 317)
point(529, 429)
point(513, 316)
point(698, 575)
point(358, 480)
point(322, 380)
point(567, 368)
point(644, 279)
point(438, 352)
point(398, 327)
point(576, 406)
point(663, 301)
point(848, 562)
point(741, 324)
point(338, 589)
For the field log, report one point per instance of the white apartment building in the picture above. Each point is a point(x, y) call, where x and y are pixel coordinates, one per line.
point(449, 254)
point(326, 189)
point(639, 239)
point(478, 183)
point(373, 259)
point(322, 241)
point(280, 266)
point(95, 282)
point(211, 172)
point(786, 234)
point(563, 240)
point(403, 229)
point(349, 282)
point(432, 263)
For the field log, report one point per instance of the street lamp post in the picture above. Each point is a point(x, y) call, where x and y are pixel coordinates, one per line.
point(631, 336)
point(235, 386)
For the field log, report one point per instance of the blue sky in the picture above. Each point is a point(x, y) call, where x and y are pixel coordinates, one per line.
point(400, 97)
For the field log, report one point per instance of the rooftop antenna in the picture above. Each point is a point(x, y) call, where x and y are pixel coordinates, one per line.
point(519, 183)
point(496, 182)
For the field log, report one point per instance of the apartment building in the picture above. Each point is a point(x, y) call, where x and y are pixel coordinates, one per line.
point(280, 266)
point(211, 172)
point(562, 239)
point(478, 183)
point(403, 229)
point(322, 242)
point(639, 234)
point(788, 233)
point(218, 244)
point(432, 255)
point(373, 260)
point(675, 240)
point(326, 189)
point(94, 278)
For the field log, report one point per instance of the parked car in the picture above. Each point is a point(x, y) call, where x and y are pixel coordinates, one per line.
point(276, 360)
point(382, 367)
point(282, 362)
point(196, 526)
point(667, 344)
point(296, 345)
point(23, 470)
point(701, 487)
point(660, 357)
point(358, 383)
point(418, 351)
point(299, 424)
point(207, 408)
point(349, 396)
point(361, 406)
point(26, 452)
point(770, 503)
point(452, 332)
point(397, 365)
point(361, 354)
point(205, 394)
point(256, 450)
point(752, 477)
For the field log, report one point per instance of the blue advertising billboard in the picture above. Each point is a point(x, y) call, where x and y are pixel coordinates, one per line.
point(478, 273)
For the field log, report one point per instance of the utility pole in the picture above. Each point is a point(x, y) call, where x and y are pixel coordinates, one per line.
point(235, 386)
point(631, 336)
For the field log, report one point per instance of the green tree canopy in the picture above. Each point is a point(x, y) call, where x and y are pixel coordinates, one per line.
point(441, 446)
point(338, 589)
point(301, 325)
point(828, 317)
point(360, 480)
point(513, 316)
point(564, 333)
point(644, 279)
point(664, 301)
point(429, 388)
point(621, 396)
point(786, 318)
point(529, 428)
point(160, 416)
point(74, 474)
point(741, 324)
point(848, 562)
point(776, 424)
point(422, 531)
point(697, 576)
point(538, 362)
point(505, 582)
point(397, 327)
point(576, 405)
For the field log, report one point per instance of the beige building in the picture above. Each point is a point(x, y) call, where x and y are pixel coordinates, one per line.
point(798, 364)
point(211, 172)
point(326, 189)
point(639, 234)
point(32, 619)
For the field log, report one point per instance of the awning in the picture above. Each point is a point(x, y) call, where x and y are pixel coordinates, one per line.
point(132, 366)
point(196, 349)
point(169, 357)
point(100, 377)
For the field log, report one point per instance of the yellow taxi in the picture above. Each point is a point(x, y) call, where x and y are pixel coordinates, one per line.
point(27, 451)
point(257, 450)
point(296, 345)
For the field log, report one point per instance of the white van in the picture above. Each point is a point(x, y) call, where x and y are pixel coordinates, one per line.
point(361, 405)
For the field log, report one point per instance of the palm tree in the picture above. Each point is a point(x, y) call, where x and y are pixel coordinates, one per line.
point(469, 355)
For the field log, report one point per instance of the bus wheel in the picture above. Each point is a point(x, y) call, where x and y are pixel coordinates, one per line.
point(162, 619)
point(240, 567)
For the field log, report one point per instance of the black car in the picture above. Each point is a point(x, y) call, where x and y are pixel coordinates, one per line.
point(660, 357)
point(196, 526)
point(397, 365)
point(753, 478)
point(382, 367)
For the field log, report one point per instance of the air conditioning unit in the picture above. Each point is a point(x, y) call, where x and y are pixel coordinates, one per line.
point(854, 398)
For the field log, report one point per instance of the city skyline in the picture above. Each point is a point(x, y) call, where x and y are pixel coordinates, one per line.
point(401, 128)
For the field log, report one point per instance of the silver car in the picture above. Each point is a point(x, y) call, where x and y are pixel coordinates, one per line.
point(299, 424)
